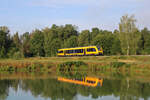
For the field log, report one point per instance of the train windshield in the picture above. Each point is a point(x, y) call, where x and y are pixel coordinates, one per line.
point(99, 48)
point(60, 52)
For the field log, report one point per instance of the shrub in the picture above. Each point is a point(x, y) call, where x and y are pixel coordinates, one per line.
point(34, 67)
point(68, 65)
point(119, 64)
point(17, 55)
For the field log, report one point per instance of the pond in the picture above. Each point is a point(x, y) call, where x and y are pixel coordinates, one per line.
point(83, 88)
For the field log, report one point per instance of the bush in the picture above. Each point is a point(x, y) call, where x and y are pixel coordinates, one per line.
point(117, 64)
point(34, 67)
point(7, 69)
point(70, 64)
point(17, 55)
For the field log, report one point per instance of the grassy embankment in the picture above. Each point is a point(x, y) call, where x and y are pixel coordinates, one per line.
point(105, 66)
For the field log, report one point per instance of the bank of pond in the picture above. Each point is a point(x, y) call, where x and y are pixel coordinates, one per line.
point(73, 66)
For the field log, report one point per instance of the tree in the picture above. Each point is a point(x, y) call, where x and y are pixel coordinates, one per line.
point(3, 43)
point(84, 38)
point(144, 41)
point(16, 41)
point(55, 45)
point(4, 29)
point(71, 42)
point(69, 30)
point(15, 47)
point(94, 33)
point(49, 35)
point(25, 44)
point(127, 34)
point(106, 41)
point(147, 46)
point(2, 53)
point(37, 43)
point(116, 47)
point(134, 40)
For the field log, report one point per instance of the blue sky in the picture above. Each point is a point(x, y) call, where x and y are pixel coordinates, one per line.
point(26, 15)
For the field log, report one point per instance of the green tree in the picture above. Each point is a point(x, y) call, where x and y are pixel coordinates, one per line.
point(127, 34)
point(106, 41)
point(55, 45)
point(71, 42)
point(25, 45)
point(94, 33)
point(2, 52)
point(15, 47)
point(65, 32)
point(16, 41)
point(116, 47)
point(49, 35)
point(4, 43)
point(144, 41)
point(4, 29)
point(147, 46)
point(84, 38)
point(69, 30)
point(37, 43)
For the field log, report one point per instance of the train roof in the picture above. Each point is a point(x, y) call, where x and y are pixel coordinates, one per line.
point(77, 47)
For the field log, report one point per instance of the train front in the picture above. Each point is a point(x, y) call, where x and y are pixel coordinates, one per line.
point(100, 50)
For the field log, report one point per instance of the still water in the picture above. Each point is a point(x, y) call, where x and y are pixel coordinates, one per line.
point(87, 88)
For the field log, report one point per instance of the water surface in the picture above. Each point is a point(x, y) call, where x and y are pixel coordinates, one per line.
point(54, 89)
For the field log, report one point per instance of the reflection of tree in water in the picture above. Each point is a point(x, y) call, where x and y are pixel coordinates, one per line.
point(67, 91)
point(4, 87)
point(51, 88)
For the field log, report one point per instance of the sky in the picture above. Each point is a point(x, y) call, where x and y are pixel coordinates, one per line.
point(26, 15)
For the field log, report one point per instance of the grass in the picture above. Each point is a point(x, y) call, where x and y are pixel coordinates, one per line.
point(94, 63)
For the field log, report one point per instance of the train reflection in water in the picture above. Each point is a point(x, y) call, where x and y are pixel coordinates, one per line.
point(87, 81)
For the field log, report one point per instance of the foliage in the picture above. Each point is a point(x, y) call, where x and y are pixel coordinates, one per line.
point(116, 47)
point(70, 64)
point(119, 64)
point(37, 43)
point(127, 40)
point(71, 42)
point(72, 69)
point(3, 43)
point(129, 35)
point(84, 38)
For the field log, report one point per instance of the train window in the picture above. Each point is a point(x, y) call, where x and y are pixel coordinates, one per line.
point(67, 51)
point(79, 51)
point(60, 51)
point(70, 51)
point(75, 51)
point(94, 49)
point(91, 50)
point(93, 82)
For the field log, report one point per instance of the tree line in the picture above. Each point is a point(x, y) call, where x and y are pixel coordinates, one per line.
point(127, 40)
